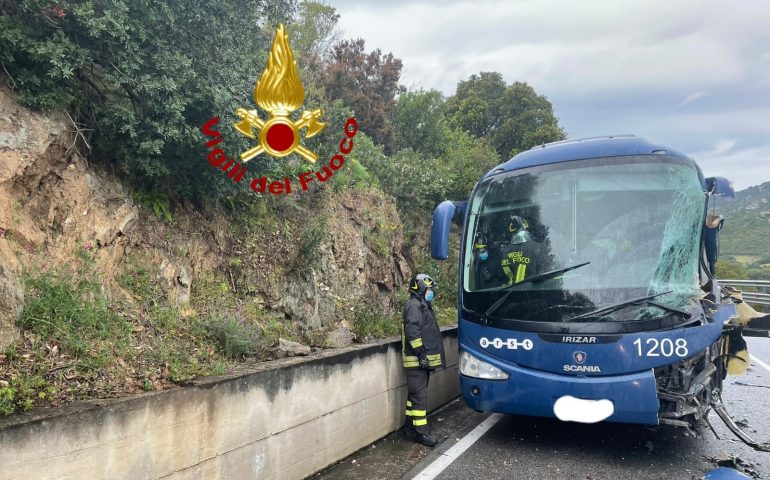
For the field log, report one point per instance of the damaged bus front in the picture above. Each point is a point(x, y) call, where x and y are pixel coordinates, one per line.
point(585, 291)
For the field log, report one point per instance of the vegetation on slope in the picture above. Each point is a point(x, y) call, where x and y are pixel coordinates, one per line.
point(138, 80)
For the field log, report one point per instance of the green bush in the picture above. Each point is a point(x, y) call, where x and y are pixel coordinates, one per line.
point(730, 269)
point(368, 323)
point(156, 202)
point(7, 400)
point(308, 251)
point(419, 182)
point(20, 394)
point(143, 77)
point(354, 175)
point(234, 338)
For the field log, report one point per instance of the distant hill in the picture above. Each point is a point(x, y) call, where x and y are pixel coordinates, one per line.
point(747, 223)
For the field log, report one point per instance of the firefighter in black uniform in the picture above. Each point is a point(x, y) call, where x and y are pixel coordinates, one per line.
point(511, 259)
point(423, 352)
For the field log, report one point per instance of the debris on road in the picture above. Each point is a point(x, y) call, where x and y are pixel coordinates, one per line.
point(749, 384)
point(649, 446)
point(723, 459)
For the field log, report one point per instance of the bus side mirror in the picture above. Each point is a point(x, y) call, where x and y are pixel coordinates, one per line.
point(720, 186)
point(715, 187)
point(439, 229)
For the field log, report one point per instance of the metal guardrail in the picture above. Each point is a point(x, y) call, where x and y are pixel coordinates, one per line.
point(754, 291)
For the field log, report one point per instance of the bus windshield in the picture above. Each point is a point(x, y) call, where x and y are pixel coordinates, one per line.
point(637, 220)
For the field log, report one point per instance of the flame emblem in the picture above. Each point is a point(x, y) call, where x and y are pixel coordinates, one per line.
point(279, 92)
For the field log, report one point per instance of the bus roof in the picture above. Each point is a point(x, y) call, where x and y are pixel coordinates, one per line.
point(568, 150)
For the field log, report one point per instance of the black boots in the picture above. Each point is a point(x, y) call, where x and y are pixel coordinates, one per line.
point(425, 439)
point(421, 438)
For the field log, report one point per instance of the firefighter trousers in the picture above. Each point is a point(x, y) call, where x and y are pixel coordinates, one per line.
point(417, 399)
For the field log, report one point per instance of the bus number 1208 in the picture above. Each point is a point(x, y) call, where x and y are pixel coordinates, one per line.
point(665, 347)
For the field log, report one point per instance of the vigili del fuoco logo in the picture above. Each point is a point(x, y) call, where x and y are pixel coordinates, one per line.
point(279, 92)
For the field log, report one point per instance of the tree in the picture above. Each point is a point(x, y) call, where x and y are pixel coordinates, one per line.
point(368, 83)
point(513, 117)
point(144, 76)
point(468, 158)
point(420, 122)
point(314, 32)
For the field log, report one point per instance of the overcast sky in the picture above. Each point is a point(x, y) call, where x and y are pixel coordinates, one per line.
point(691, 75)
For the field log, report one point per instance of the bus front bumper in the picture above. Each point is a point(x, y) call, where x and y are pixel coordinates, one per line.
point(633, 397)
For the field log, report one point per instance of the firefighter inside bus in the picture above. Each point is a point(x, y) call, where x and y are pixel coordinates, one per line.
point(506, 251)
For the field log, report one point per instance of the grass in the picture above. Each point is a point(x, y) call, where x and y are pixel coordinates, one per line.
point(377, 241)
point(77, 343)
point(75, 314)
point(379, 237)
point(212, 291)
point(70, 332)
point(137, 279)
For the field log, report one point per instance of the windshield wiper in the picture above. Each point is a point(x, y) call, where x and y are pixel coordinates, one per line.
point(633, 301)
point(540, 277)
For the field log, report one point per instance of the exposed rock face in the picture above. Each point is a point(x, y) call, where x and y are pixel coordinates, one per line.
point(25, 140)
point(11, 295)
point(56, 209)
point(361, 263)
point(176, 282)
point(51, 202)
point(125, 218)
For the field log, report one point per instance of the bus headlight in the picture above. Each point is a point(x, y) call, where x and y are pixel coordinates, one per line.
point(471, 366)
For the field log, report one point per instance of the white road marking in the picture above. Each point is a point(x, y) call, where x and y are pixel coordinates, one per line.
point(431, 471)
point(759, 362)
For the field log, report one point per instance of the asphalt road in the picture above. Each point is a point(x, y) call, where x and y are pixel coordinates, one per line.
point(518, 447)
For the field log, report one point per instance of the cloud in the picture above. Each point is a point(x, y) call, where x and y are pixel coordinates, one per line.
point(558, 44)
point(744, 166)
point(722, 147)
point(607, 66)
point(691, 98)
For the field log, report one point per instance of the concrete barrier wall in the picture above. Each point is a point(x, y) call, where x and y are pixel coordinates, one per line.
point(282, 420)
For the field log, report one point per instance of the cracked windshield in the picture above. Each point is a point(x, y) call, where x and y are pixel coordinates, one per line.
point(637, 223)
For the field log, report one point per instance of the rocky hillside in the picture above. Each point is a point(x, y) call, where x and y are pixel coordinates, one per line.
point(747, 225)
point(190, 291)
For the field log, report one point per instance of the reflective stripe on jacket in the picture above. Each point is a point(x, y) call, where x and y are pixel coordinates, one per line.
point(420, 332)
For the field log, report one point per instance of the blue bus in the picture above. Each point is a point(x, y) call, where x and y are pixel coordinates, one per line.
point(586, 286)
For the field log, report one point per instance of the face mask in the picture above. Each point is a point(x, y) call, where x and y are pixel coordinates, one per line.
point(429, 295)
point(483, 255)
